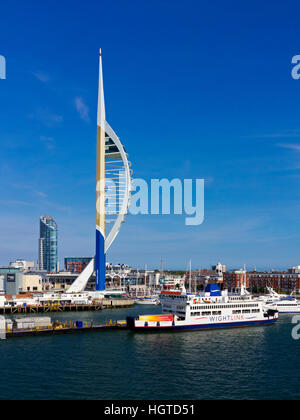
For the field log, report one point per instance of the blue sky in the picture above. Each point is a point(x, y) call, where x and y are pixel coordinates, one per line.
point(195, 89)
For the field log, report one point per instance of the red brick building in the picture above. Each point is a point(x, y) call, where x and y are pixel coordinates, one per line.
point(233, 280)
point(284, 281)
point(280, 281)
point(76, 265)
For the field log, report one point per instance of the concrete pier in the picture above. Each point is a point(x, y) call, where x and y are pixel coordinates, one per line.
point(66, 328)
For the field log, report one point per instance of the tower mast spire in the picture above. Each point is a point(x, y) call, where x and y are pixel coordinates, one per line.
point(100, 259)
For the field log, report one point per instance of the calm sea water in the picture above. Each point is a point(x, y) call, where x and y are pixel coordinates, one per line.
point(250, 363)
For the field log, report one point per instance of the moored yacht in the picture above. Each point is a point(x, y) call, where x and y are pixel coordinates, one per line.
point(147, 300)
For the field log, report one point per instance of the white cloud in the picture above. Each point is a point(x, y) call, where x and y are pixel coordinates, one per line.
point(47, 139)
point(46, 117)
point(41, 76)
point(82, 109)
point(275, 135)
point(295, 147)
point(49, 142)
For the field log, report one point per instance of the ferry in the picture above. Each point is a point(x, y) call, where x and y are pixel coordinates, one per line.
point(212, 309)
point(284, 304)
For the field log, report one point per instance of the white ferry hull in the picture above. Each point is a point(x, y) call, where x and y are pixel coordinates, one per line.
point(285, 308)
point(289, 312)
point(138, 325)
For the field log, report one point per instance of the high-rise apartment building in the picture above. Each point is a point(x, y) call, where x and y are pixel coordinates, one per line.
point(48, 244)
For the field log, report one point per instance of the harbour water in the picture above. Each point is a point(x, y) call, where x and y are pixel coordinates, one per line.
point(246, 363)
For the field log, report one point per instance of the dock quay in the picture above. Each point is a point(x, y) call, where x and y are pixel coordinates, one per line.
point(30, 327)
point(60, 307)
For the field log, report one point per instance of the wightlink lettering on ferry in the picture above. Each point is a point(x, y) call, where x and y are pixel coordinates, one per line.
point(212, 309)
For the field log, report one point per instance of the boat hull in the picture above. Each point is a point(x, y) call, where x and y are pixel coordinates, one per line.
point(289, 313)
point(198, 327)
point(146, 303)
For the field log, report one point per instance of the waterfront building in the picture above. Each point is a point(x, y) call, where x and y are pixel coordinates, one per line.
point(48, 245)
point(76, 265)
point(294, 269)
point(148, 278)
point(281, 281)
point(234, 280)
point(2, 284)
point(219, 269)
point(22, 265)
point(117, 276)
point(59, 281)
point(32, 283)
point(201, 277)
point(12, 279)
point(172, 281)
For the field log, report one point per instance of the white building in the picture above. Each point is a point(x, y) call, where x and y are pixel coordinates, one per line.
point(22, 265)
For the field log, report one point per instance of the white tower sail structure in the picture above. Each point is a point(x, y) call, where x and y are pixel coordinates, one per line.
point(117, 196)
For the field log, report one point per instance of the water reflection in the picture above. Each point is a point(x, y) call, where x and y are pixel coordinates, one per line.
point(247, 363)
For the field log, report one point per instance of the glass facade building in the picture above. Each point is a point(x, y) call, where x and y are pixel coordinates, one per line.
point(48, 245)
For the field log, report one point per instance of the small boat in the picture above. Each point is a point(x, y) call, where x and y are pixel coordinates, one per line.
point(147, 301)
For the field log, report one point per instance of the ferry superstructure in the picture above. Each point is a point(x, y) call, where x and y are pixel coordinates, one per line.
point(212, 309)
